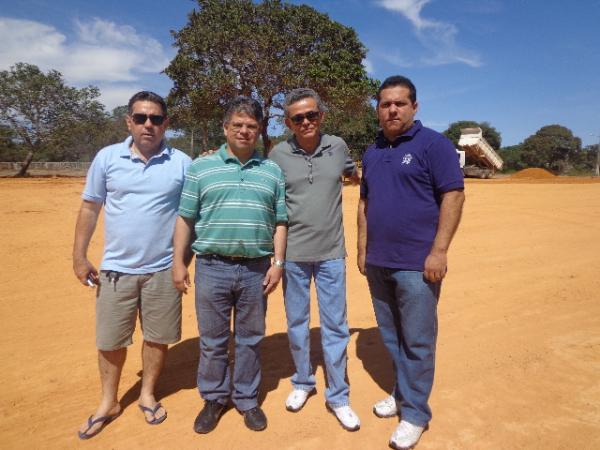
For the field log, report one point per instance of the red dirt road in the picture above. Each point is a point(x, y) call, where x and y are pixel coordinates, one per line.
point(518, 350)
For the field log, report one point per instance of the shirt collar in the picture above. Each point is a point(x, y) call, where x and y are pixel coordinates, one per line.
point(324, 144)
point(227, 157)
point(382, 141)
point(126, 152)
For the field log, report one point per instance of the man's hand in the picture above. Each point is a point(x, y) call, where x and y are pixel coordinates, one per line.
point(86, 224)
point(272, 278)
point(354, 178)
point(436, 265)
point(181, 277)
point(85, 270)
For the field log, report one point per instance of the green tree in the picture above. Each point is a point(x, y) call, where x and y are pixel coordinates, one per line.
point(490, 134)
point(39, 107)
point(264, 50)
point(82, 139)
point(512, 157)
point(357, 126)
point(552, 147)
point(200, 124)
point(9, 149)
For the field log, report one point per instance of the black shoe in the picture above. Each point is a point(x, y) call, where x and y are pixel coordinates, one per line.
point(207, 419)
point(255, 419)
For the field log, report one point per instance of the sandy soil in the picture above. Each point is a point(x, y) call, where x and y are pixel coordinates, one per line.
point(518, 354)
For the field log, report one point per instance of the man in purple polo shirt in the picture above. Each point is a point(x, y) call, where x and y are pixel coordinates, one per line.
point(410, 206)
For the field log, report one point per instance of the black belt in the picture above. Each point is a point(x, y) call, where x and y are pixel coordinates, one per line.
point(235, 258)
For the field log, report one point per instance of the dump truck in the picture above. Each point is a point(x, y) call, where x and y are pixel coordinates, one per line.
point(479, 160)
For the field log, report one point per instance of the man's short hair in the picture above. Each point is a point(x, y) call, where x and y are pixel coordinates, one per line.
point(398, 80)
point(243, 105)
point(298, 94)
point(147, 96)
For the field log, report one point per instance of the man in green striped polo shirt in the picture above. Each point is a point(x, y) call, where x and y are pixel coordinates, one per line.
point(234, 203)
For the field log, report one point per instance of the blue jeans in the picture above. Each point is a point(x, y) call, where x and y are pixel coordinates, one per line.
point(222, 287)
point(405, 307)
point(330, 281)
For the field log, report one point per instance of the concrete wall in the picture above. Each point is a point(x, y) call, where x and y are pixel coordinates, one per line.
point(64, 165)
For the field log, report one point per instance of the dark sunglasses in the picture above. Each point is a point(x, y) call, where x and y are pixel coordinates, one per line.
point(140, 119)
point(311, 116)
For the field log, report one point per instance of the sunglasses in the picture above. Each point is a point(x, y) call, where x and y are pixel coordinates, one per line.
point(311, 116)
point(140, 119)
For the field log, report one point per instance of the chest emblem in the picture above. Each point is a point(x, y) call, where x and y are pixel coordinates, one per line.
point(407, 158)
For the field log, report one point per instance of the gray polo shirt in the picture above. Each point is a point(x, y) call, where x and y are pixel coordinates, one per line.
point(313, 194)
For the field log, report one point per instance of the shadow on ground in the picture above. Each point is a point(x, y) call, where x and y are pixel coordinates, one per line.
point(182, 363)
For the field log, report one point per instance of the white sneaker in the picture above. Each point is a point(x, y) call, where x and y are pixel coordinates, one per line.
point(296, 400)
point(406, 436)
point(347, 418)
point(386, 408)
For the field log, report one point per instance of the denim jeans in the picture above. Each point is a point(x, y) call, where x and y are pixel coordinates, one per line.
point(405, 307)
point(222, 287)
point(330, 281)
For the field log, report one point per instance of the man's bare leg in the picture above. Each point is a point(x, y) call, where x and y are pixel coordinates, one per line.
point(110, 365)
point(153, 359)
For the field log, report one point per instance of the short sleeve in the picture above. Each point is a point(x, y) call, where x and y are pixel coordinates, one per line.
point(95, 183)
point(349, 165)
point(189, 204)
point(445, 166)
point(280, 207)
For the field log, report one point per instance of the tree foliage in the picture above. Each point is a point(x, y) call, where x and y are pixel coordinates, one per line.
point(490, 134)
point(357, 127)
point(40, 108)
point(264, 50)
point(512, 158)
point(552, 147)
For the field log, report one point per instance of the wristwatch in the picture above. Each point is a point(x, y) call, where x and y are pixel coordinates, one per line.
point(279, 263)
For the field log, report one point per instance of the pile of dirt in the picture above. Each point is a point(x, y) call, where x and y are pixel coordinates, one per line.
point(534, 172)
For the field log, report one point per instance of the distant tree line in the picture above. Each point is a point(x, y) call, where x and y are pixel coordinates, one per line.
point(259, 49)
point(552, 147)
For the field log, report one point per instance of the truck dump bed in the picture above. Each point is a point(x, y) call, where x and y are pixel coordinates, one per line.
point(477, 148)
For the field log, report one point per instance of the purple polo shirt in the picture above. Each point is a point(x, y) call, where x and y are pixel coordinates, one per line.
point(403, 182)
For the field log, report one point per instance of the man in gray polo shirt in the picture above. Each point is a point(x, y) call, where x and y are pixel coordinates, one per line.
point(313, 164)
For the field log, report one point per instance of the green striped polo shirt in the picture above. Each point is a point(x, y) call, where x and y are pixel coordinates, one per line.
point(235, 206)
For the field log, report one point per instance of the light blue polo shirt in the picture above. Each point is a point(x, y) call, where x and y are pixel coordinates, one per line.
point(140, 205)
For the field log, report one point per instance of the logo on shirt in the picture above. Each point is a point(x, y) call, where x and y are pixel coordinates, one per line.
point(407, 158)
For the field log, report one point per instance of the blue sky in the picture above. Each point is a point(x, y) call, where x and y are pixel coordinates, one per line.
point(518, 64)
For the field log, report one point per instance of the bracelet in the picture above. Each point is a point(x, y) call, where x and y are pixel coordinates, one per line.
point(279, 263)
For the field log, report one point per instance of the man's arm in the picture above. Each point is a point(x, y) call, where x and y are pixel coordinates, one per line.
point(361, 222)
point(279, 244)
point(354, 177)
point(436, 262)
point(84, 230)
point(182, 255)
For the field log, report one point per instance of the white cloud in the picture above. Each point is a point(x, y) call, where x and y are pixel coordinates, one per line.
point(113, 95)
point(396, 59)
point(28, 41)
point(436, 125)
point(101, 52)
point(438, 37)
point(368, 65)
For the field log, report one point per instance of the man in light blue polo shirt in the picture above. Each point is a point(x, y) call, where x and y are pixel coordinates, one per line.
point(139, 182)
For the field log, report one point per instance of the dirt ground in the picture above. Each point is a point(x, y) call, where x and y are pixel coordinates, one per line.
point(518, 361)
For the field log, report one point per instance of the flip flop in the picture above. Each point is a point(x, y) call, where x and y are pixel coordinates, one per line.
point(104, 420)
point(152, 411)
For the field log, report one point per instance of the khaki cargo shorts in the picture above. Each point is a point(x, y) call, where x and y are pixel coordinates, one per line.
point(121, 297)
